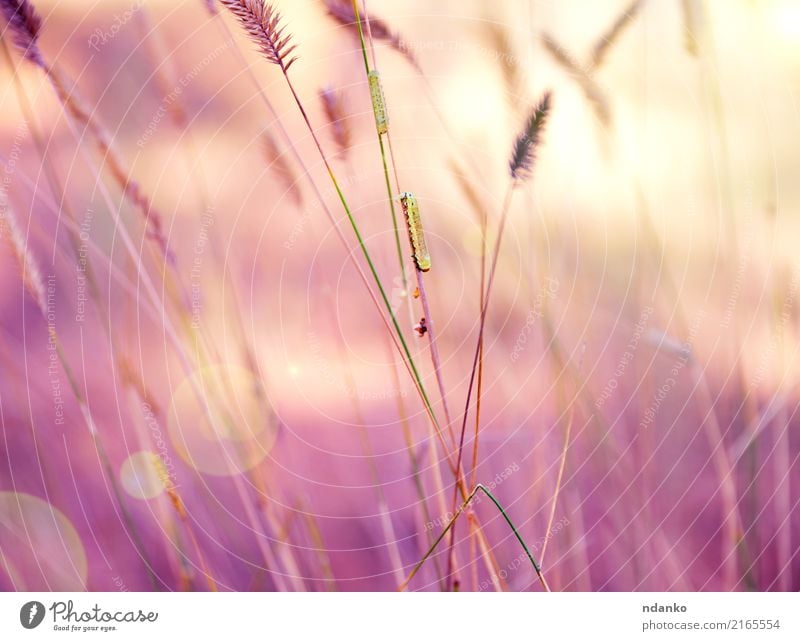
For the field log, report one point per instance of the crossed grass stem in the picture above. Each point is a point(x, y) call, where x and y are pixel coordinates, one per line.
point(451, 524)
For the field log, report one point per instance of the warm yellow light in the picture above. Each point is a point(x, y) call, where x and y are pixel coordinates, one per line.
point(786, 21)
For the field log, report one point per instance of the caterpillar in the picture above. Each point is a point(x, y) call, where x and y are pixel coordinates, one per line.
point(378, 102)
point(422, 259)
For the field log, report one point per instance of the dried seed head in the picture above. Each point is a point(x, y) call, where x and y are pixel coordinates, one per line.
point(524, 153)
point(24, 24)
point(262, 23)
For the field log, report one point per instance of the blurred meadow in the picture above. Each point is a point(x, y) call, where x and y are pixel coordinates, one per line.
point(595, 386)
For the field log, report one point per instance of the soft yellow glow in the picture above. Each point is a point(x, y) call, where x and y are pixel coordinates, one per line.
point(218, 422)
point(786, 21)
point(143, 475)
point(31, 528)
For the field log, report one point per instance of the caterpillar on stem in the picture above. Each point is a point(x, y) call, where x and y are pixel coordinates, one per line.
point(378, 102)
point(422, 259)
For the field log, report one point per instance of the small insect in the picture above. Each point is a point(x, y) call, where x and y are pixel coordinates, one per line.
point(378, 102)
point(421, 328)
point(422, 258)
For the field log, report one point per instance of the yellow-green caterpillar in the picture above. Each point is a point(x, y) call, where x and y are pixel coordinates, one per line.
point(422, 259)
point(378, 102)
